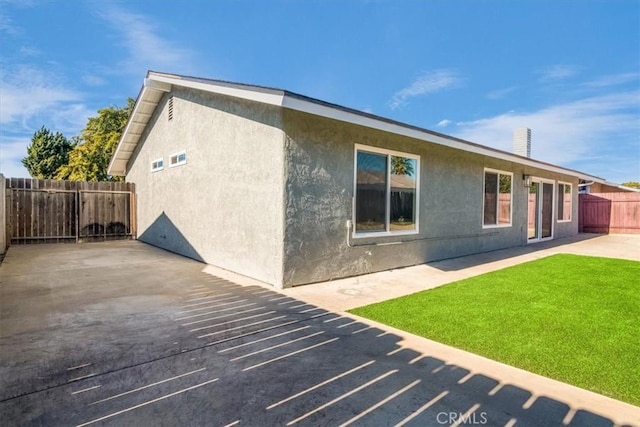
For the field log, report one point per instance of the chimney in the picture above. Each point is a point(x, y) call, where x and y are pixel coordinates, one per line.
point(522, 142)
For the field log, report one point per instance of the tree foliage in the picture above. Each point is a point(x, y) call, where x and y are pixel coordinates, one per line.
point(96, 144)
point(632, 184)
point(47, 152)
point(402, 166)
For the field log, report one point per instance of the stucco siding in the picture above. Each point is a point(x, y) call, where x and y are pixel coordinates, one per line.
point(225, 205)
point(320, 188)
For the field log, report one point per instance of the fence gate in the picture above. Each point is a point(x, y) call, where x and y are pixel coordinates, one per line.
point(49, 211)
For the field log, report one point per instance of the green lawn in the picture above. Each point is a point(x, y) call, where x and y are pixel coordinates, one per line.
point(568, 317)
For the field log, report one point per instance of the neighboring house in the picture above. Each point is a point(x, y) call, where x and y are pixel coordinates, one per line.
point(292, 190)
point(605, 187)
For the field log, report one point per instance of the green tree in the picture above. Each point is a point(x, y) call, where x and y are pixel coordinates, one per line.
point(632, 184)
point(96, 144)
point(47, 152)
point(402, 166)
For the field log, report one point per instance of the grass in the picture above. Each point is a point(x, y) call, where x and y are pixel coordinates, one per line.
point(572, 318)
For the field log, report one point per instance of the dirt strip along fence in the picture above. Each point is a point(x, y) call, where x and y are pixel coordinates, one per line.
point(615, 213)
point(51, 211)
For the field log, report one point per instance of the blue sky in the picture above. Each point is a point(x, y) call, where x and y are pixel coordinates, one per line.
point(569, 70)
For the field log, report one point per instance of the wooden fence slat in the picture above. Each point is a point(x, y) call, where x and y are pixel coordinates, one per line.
point(64, 211)
point(23, 214)
point(609, 213)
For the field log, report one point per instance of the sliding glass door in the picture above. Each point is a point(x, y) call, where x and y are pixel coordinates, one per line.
point(540, 222)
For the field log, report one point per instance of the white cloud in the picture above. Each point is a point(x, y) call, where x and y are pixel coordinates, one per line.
point(146, 48)
point(70, 118)
point(433, 81)
point(19, 3)
point(31, 98)
point(557, 72)
point(444, 123)
point(12, 150)
point(28, 91)
point(93, 80)
point(613, 80)
point(592, 132)
point(29, 51)
point(8, 26)
point(501, 93)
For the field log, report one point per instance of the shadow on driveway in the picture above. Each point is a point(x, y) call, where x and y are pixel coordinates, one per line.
point(126, 334)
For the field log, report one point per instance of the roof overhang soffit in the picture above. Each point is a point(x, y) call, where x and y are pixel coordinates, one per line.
point(145, 106)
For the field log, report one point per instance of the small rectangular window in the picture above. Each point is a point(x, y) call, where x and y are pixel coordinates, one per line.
point(157, 165)
point(386, 192)
point(497, 198)
point(178, 159)
point(564, 202)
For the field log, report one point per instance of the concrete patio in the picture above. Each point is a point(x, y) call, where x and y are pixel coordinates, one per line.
point(124, 333)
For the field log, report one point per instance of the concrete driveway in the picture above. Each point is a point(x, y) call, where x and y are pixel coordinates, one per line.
point(121, 333)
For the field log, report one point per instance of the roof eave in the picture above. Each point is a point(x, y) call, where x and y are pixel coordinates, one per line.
point(156, 82)
point(149, 95)
point(300, 103)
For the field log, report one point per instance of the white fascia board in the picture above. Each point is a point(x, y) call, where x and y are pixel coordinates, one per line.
point(295, 103)
point(271, 97)
point(154, 84)
point(111, 169)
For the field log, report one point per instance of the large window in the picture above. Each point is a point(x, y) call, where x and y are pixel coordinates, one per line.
point(564, 201)
point(497, 198)
point(386, 191)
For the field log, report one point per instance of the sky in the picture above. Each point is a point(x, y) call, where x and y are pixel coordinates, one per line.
point(473, 69)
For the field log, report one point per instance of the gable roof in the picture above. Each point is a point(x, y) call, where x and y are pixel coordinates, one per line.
point(156, 84)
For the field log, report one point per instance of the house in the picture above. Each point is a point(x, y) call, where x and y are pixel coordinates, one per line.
point(291, 190)
point(605, 187)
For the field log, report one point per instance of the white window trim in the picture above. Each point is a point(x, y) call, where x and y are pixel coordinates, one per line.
point(570, 204)
point(176, 155)
point(484, 177)
point(388, 153)
point(157, 169)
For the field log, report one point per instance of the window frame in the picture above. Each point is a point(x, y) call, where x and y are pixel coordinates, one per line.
point(558, 219)
point(484, 179)
point(177, 156)
point(154, 165)
point(387, 232)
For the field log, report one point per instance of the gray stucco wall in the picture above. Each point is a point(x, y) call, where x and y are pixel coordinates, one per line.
point(225, 205)
point(319, 190)
point(266, 192)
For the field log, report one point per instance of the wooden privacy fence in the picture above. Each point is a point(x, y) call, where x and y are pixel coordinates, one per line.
point(49, 211)
point(609, 213)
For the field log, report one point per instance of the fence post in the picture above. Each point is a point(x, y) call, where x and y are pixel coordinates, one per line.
point(3, 215)
point(77, 196)
point(133, 211)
